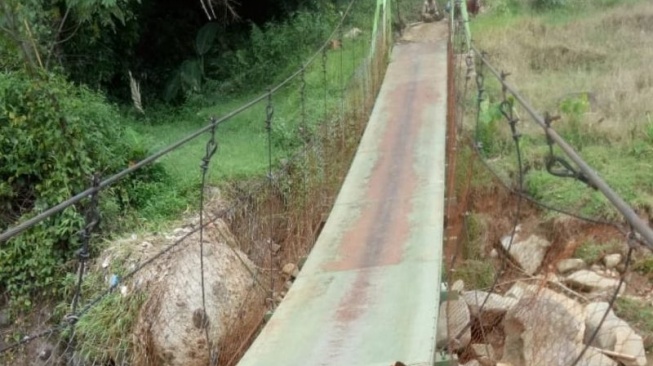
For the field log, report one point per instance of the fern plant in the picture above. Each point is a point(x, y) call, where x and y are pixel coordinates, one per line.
point(190, 74)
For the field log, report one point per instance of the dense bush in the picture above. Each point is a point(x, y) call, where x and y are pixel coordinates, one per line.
point(53, 137)
point(274, 49)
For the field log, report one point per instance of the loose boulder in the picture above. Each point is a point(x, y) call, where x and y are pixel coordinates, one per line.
point(484, 353)
point(590, 281)
point(528, 253)
point(612, 260)
point(458, 286)
point(613, 335)
point(453, 318)
point(291, 270)
point(487, 307)
point(544, 328)
point(570, 264)
point(173, 324)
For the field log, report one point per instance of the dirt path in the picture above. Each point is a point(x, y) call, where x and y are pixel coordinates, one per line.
point(426, 32)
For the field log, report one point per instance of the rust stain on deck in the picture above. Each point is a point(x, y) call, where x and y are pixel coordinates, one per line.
point(381, 233)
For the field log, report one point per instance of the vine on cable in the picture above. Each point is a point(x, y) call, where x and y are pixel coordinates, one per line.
point(323, 141)
point(324, 80)
point(92, 220)
point(480, 85)
point(303, 128)
point(489, 117)
point(507, 109)
point(341, 76)
point(211, 148)
point(269, 114)
point(557, 165)
point(477, 145)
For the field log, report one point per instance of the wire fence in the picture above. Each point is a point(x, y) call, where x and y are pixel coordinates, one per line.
point(199, 294)
point(516, 292)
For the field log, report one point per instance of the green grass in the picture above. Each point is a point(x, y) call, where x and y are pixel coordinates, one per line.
point(592, 252)
point(243, 151)
point(102, 334)
point(476, 274)
point(628, 171)
point(243, 141)
point(475, 230)
point(554, 54)
point(504, 13)
point(638, 314)
point(243, 145)
point(644, 266)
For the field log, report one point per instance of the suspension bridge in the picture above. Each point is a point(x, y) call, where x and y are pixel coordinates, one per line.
point(370, 291)
point(351, 304)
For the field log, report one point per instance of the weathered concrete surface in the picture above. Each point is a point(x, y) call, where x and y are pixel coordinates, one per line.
point(368, 293)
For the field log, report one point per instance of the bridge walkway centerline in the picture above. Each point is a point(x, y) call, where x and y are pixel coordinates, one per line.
point(369, 292)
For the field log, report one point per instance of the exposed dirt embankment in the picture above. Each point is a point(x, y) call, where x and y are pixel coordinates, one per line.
point(554, 264)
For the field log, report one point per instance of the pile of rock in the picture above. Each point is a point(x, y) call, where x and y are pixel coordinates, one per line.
point(596, 282)
point(534, 325)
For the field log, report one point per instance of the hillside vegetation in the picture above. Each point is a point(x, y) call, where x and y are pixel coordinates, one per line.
point(68, 112)
point(588, 62)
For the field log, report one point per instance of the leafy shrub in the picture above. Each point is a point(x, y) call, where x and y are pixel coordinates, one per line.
point(478, 274)
point(285, 136)
point(190, 75)
point(638, 314)
point(487, 134)
point(644, 266)
point(100, 335)
point(592, 252)
point(261, 56)
point(53, 137)
point(549, 4)
point(273, 49)
point(573, 111)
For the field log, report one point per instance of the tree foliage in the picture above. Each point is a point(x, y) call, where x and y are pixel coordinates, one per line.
point(53, 137)
point(35, 27)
